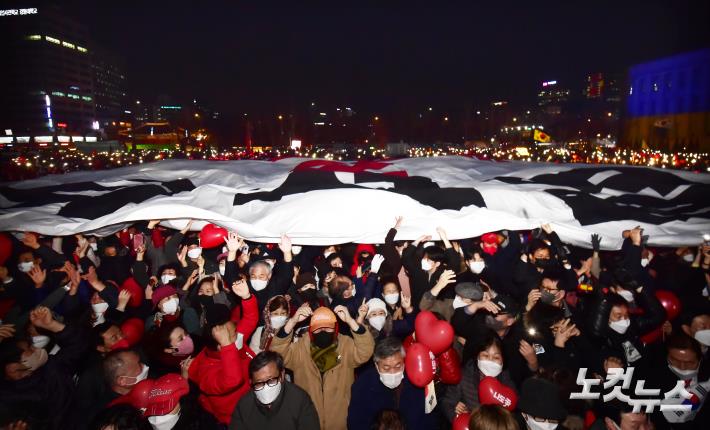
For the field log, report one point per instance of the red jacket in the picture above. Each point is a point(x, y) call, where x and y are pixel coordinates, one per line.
point(223, 376)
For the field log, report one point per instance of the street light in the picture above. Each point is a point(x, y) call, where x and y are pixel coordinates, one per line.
point(281, 117)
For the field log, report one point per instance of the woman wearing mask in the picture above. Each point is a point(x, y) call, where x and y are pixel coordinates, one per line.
point(381, 322)
point(170, 308)
point(276, 313)
point(463, 397)
point(169, 345)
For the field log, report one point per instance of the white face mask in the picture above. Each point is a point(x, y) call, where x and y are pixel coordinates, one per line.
point(94, 246)
point(626, 294)
point(99, 308)
point(477, 266)
point(620, 326)
point(688, 258)
point(458, 302)
point(683, 374)
point(278, 321)
point(221, 269)
point(171, 306)
point(166, 278)
point(377, 322)
point(296, 249)
point(644, 262)
point(141, 376)
point(267, 395)
point(258, 284)
point(164, 422)
point(703, 336)
point(25, 266)
point(194, 252)
point(40, 341)
point(534, 425)
point(391, 380)
point(426, 265)
point(391, 299)
point(325, 254)
point(489, 368)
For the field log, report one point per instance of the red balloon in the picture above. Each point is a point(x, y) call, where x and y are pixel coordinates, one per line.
point(132, 330)
point(212, 236)
point(5, 248)
point(408, 341)
point(420, 365)
point(437, 335)
point(652, 336)
point(670, 303)
point(461, 422)
point(449, 367)
point(492, 392)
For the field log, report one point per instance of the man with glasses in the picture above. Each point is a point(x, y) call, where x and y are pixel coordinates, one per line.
point(540, 406)
point(273, 402)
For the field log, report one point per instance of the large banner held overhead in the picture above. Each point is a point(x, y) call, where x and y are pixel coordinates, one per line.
point(319, 202)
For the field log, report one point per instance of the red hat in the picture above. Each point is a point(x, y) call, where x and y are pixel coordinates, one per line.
point(490, 238)
point(156, 396)
point(162, 292)
point(136, 291)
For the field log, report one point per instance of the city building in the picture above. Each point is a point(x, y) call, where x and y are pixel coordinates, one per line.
point(668, 103)
point(553, 98)
point(108, 71)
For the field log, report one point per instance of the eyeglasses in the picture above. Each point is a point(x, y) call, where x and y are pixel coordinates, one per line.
point(550, 290)
point(543, 420)
point(270, 382)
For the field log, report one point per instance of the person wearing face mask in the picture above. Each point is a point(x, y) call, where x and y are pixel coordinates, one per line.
point(612, 327)
point(305, 290)
point(210, 290)
point(33, 379)
point(426, 264)
point(164, 401)
point(400, 311)
point(343, 292)
point(386, 386)
point(463, 397)
point(528, 270)
point(324, 362)
point(273, 402)
point(169, 307)
point(276, 313)
point(695, 322)
point(540, 406)
point(169, 345)
point(466, 294)
point(681, 360)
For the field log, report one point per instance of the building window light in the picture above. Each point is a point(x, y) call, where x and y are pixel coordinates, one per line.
point(53, 40)
point(68, 45)
point(58, 93)
point(86, 98)
point(81, 49)
point(73, 96)
point(34, 37)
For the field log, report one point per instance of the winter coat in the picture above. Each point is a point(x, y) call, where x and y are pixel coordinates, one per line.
point(292, 409)
point(330, 391)
point(370, 396)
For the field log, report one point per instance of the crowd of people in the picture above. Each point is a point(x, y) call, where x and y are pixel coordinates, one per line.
point(150, 329)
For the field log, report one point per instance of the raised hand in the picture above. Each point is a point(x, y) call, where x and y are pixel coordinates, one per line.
point(123, 298)
point(362, 311)
point(376, 263)
point(152, 223)
point(398, 222)
point(38, 275)
point(140, 253)
point(185, 367)
point(41, 317)
point(566, 331)
point(30, 240)
point(187, 227)
point(7, 331)
point(302, 313)
point(233, 242)
point(533, 297)
point(484, 304)
point(547, 228)
point(596, 242)
point(406, 302)
point(447, 277)
point(220, 333)
point(528, 353)
point(182, 256)
point(241, 289)
point(285, 244)
point(342, 313)
point(635, 235)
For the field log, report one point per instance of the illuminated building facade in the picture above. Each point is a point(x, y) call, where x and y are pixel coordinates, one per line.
point(47, 74)
point(668, 103)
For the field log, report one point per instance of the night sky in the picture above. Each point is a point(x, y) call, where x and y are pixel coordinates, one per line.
point(274, 56)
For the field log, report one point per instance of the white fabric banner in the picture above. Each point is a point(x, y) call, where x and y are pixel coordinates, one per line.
point(319, 202)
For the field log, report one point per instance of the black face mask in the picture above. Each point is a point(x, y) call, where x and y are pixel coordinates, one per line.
point(308, 295)
point(205, 300)
point(547, 297)
point(322, 339)
point(543, 263)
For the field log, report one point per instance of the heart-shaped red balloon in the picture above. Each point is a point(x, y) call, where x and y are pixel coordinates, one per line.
point(492, 392)
point(420, 365)
point(670, 303)
point(437, 335)
point(449, 367)
point(212, 235)
point(461, 422)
